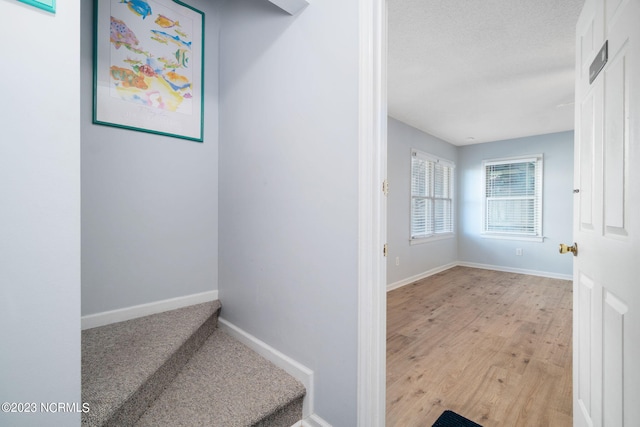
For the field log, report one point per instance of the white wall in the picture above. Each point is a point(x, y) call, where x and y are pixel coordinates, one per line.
point(414, 259)
point(289, 187)
point(149, 202)
point(557, 205)
point(40, 213)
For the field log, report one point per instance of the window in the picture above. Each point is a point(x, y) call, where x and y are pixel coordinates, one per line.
point(513, 198)
point(431, 196)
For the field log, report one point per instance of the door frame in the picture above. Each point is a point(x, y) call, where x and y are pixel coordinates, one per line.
point(372, 214)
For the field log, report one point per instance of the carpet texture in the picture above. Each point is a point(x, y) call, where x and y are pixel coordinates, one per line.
point(227, 384)
point(126, 365)
point(451, 419)
point(177, 369)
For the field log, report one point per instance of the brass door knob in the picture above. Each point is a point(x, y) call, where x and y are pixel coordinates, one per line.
point(573, 249)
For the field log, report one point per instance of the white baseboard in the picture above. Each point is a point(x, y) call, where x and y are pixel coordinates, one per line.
point(420, 276)
point(315, 421)
point(516, 270)
point(281, 360)
point(436, 270)
point(128, 313)
point(312, 421)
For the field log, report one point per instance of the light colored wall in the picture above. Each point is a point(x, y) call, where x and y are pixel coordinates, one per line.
point(289, 187)
point(414, 259)
point(149, 202)
point(557, 205)
point(469, 246)
point(40, 213)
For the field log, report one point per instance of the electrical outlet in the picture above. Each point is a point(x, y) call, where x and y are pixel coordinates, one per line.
point(397, 260)
point(519, 251)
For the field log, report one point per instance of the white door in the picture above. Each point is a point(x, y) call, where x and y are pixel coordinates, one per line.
point(606, 296)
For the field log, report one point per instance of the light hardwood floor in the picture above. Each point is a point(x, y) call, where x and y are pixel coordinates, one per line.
point(494, 347)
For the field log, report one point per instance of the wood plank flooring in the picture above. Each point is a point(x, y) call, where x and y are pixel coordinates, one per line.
point(494, 347)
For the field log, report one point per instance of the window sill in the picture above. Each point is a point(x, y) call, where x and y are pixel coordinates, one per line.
point(432, 238)
point(522, 238)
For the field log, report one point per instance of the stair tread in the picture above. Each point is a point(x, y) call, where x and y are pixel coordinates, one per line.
point(224, 384)
point(117, 359)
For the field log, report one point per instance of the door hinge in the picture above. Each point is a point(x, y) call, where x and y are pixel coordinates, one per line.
point(384, 250)
point(385, 187)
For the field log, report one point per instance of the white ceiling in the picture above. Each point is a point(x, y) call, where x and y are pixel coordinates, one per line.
point(471, 71)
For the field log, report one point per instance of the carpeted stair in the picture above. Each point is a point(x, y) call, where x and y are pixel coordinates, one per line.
point(177, 369)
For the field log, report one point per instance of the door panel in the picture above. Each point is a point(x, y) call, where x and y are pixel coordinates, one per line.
point(583, 369)
point(607, 218)
point(586, 46)
point(613, 359)
point(585, 171)
point(615, 145)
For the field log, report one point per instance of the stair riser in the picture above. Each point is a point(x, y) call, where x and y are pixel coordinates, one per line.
point(133, 408)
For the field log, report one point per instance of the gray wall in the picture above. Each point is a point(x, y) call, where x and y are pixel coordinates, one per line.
point(289, 187)
point(414, 259)
point(149, 202)
point(557, 205)
point(40, 213)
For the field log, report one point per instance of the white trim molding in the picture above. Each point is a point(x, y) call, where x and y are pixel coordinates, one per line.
point(432, 238)
point(436, 270)
point(420, 276)
point(281, 360)
point(133, 312)
point(312, 421)
point(372, 231)
point(519, 237)
point(517, 270)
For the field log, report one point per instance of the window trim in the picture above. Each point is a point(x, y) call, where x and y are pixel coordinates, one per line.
point(433, 236)
point(539, 186)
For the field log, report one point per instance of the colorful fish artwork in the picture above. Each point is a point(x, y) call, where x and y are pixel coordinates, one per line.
point(155, 68)
point(132, 61)
point(182, 58)
point(139, 7)
point(160, 40)
point(168, 64)
point(165, 22)
point(147, 70)
point(155, 65)
point(121, 35)
point(175, 39)
point(176, 81)
point(154, 99)
point(128, 77)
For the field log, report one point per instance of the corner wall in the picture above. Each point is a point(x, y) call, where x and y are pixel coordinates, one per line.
point(289, 188)
point(40, 213)
point(469, 247)
point(557, 225)
point(414, 260)
point(149, 202)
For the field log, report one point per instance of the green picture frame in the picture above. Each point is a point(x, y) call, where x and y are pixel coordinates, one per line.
point(48, 5)
point(149, 67)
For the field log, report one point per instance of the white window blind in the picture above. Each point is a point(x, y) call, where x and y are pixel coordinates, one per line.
point(431, 195)
point(513, 196)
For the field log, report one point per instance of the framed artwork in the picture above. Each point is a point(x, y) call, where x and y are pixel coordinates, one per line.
point(48, 5)
point(149, 67)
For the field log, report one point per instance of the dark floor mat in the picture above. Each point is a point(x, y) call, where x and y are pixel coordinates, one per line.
point(451, 419)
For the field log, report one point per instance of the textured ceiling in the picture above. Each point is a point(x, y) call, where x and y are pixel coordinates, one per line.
point(471, 71)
